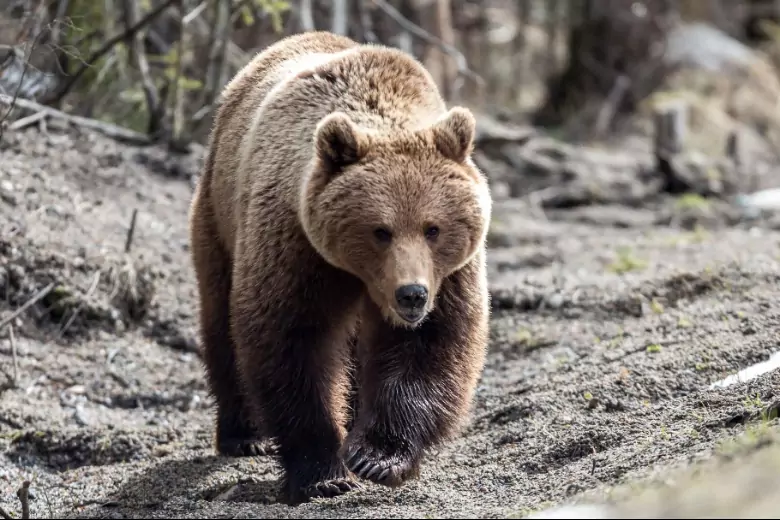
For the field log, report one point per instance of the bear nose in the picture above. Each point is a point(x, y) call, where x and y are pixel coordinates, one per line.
point(411, 296)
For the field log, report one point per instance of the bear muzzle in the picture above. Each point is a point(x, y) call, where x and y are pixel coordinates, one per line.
point(411, 300)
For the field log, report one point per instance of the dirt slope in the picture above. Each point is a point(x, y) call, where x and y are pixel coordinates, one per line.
point(607, 334)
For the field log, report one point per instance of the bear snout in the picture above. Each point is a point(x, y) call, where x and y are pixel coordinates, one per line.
point(411, 300)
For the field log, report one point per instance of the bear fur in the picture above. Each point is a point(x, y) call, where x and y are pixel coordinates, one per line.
point(335, 177)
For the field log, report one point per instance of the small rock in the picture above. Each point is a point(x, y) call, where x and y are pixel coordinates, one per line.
point(614, 405)
point(77, 390)
point(500, 190)
point(81, 416)
point(8, 196)
point(554, 301)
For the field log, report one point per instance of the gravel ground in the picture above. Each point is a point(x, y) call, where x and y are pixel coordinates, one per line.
point(608, 333)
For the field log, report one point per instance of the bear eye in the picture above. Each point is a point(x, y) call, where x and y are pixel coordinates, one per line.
point(383, 235)
point(432, 232)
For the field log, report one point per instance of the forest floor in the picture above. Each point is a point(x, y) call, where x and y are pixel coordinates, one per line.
point(608, 332)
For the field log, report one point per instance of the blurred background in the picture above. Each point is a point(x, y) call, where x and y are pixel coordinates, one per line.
point(633, 152)
point(580, 68)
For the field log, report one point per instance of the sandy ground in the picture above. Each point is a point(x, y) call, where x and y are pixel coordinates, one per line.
point(608, 332)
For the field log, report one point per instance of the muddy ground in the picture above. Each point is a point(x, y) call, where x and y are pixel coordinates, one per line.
point(610, 324)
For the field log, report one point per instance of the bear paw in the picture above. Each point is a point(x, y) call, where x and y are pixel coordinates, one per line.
point(246, 447)
point(330, 488)
point(373, 464)
point(303, 484)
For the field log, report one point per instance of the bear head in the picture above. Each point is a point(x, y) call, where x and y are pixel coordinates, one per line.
point(401, 210)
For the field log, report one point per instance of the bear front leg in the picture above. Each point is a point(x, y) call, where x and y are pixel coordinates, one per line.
point(290, 325)
point(235, 435)
point(417, 385)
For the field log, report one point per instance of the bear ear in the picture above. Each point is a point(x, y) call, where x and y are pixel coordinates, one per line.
point(453, 134)
point(339, 142)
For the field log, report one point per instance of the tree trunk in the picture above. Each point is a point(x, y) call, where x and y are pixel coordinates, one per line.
point(615, 41)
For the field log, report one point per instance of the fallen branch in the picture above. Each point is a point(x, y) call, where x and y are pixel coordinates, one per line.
point(5, 515)
point(128, 33)
point(24, 122)
point(107, 129)
point(460, 59)
point(492, 131)
point(29, 303)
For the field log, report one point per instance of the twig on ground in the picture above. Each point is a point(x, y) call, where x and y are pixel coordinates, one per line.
point(92, 288)
point(131, 232)
point(24, 498)
point(107, 129)
point(460, 59)
point(24, 122)
point(29, 303)
point(14, 357)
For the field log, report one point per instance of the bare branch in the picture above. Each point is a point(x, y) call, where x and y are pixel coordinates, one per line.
point(21, 82)
point(155, 107)
point(62, 9)
point(195, 12)
point(218, 59)
point(366, 22)
point(177, 97)
point(460, 59)
point(339, 16)
point(307, 16)
point(107, 129)
point(29, 303)
point(224, 42)
point(108, 19)
point(129, 32)
point(611, 104)
point(24, 122)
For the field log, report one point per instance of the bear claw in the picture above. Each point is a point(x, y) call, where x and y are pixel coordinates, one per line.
point(369, 464)
point(246, 448)
point(330, 488)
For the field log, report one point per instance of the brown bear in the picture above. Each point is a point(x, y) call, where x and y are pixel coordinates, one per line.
point(338, 233)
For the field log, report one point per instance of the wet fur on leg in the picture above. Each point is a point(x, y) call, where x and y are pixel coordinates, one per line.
point(417, 384)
